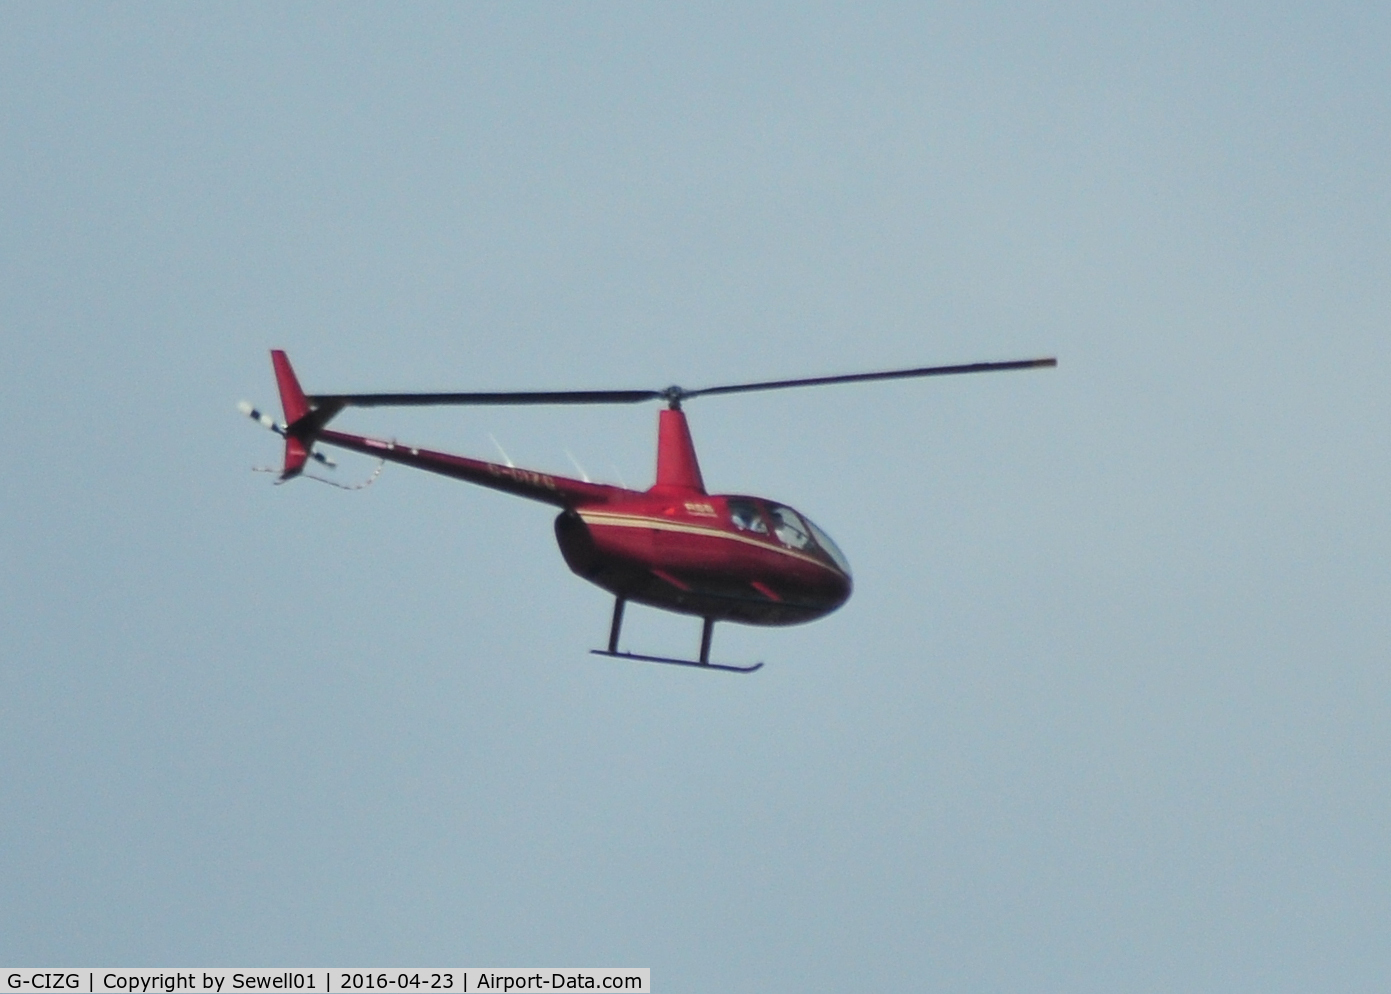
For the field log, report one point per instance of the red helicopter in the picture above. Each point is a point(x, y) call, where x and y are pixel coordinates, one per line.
point(720, 557)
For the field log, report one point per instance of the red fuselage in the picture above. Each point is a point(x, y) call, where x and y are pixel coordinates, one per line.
point(675, 547)
point(724, 557)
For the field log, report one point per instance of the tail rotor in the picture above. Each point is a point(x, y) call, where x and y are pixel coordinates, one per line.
point(266, 421)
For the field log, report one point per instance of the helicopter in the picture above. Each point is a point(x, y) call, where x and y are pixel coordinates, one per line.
point(674, 546)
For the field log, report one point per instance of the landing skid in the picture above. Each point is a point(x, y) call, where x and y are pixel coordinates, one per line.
point(677, 662)
point(706, 632)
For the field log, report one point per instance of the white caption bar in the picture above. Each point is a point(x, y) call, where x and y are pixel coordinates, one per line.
point(325, 980)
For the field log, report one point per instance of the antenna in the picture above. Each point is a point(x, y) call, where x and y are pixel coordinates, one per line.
point(583, 475)
point(503, 452)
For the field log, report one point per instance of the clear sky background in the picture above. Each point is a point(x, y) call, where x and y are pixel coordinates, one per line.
point(1109, 708)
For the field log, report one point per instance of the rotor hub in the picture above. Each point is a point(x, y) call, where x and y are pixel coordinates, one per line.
point(673, 395)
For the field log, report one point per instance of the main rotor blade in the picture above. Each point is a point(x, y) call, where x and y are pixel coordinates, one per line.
point(516, 397)
point(893, 374)
point(673, 395)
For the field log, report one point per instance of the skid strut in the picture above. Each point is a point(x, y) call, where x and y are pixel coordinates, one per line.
point(707, 632)
point(617, 625)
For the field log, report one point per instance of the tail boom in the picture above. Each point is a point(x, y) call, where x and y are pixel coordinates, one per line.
point(305, 422)
point(559, 491)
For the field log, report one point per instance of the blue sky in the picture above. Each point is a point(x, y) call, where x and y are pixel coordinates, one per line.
point(1108, 709)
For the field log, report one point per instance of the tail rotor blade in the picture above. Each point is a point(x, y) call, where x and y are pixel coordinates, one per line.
point(261, 418)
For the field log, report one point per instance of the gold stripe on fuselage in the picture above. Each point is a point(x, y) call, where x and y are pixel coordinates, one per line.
point(662, 524)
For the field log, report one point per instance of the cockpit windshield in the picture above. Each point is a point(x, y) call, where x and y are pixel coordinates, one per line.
point(797, 532)
point(831, 549)
point(787, 526)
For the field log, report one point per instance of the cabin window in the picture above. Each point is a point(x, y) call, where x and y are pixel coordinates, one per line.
point(744, 515)
point(790, 529)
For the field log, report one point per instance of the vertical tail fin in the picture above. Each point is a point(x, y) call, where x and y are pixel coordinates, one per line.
point(292, 397)
point(296, 407)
